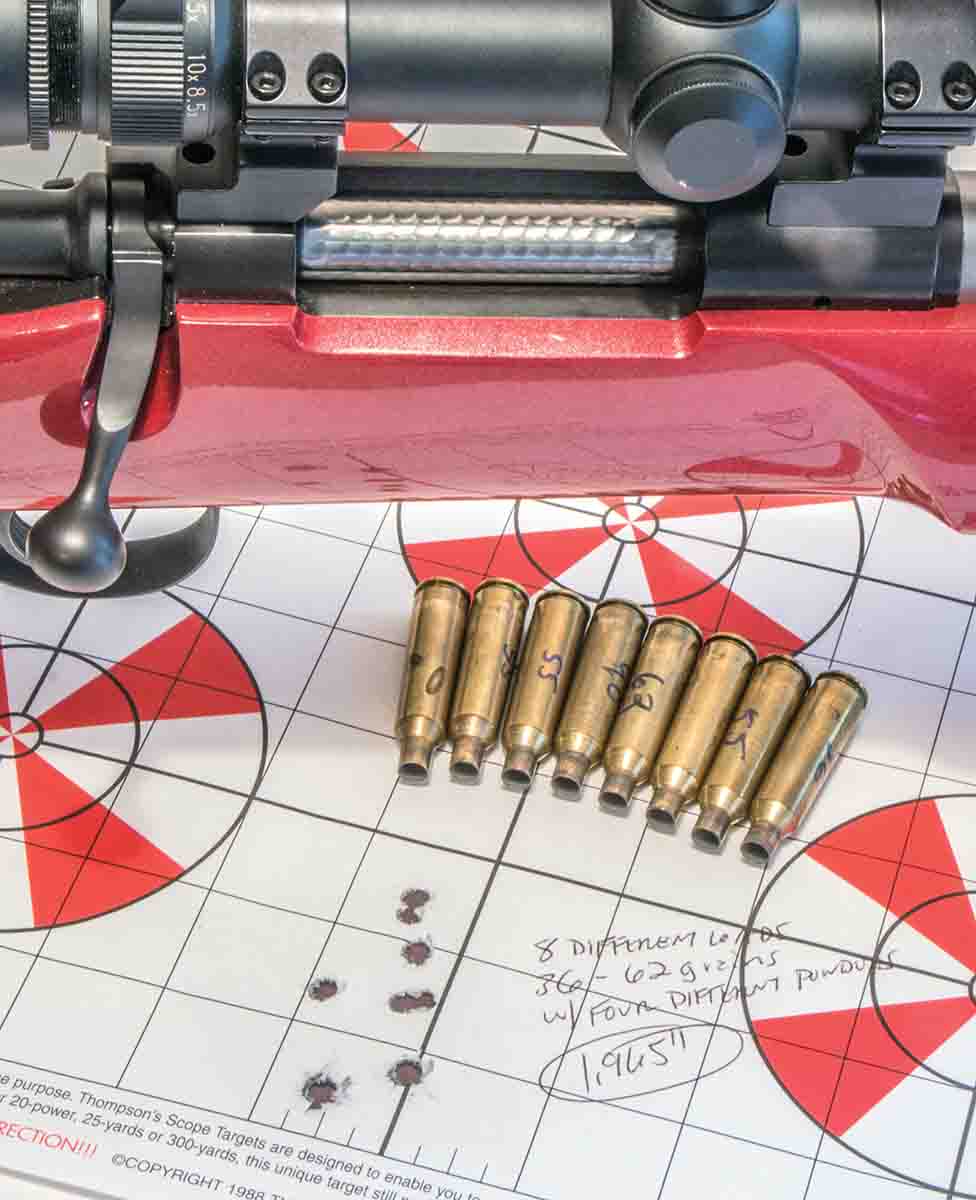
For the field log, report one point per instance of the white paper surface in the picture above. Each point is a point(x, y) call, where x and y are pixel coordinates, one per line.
point(598, 1014)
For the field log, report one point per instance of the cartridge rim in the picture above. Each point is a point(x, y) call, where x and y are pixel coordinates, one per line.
point(733, 637)
point(855, 683)
point(760, 844)
point(501, 582)
point(519, 769)
point(695, 629)
point(565, 595)
point(613, 600)
point(443, 579)
point(790, 661)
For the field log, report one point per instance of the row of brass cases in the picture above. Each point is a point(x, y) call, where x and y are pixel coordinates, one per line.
point(696, 720)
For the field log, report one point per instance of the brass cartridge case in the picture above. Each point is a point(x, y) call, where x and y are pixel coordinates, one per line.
point(610, 649)
point(440, 610)
point(771, 701)
point(814, 742)
point(542, 681)
point(711, 697)
point(661, 673)
point(488, 662)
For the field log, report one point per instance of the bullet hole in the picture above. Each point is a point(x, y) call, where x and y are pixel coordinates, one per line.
point(413, 900)
point(417, 953)
point(323, 989)
point(320, 1090)
point(407, 1072)
point(406, 1002)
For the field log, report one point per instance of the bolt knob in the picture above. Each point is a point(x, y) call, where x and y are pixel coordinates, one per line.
point(77, 547)
point(707, 132)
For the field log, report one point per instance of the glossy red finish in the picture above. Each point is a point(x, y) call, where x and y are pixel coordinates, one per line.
point(273, 405)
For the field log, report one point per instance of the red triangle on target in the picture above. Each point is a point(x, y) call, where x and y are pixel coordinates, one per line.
point(46, 795)
point(677, 507)
point(950, 923)
point(668, 574)
point(765, 634)
point(376, 135)
point(166, 654)
point(120, 845)
point(214, 664)
point(471, 555)
point(55, 852)
point(875, 1064)
point(102, 887)
point(510, 562)
point(51, 875)
point(557, 550)
point(188, 700)
point(928, 843)
point(143, 674)
point(879, 834)
point(809, 1076)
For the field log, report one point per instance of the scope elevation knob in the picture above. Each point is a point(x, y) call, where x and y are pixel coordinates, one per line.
point(707, 131)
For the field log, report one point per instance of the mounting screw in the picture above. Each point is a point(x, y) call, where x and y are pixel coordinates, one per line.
point(326, 78)
point(959, 87)
point(266, 76)
point(903, 86)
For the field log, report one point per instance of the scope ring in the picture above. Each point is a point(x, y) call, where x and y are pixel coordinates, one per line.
point(38, 74)
point(152, 564)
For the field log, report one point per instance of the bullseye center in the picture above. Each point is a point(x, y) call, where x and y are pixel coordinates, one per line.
point(20, 735)
point(631, 523)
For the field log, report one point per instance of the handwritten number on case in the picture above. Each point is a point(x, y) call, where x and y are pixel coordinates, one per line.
point(618, 673)
point(638, 697)
point(555, 662)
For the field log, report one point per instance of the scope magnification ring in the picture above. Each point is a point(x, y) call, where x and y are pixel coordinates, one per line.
point(147, 73)
point(38, 75)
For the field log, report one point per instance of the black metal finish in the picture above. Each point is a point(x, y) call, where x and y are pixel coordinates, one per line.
point(278, 183)
point(949, 272)
point(77, 546)
point(490, 62)
point(224, 118)
point(887, 189)
point(256, 264)
point(922, 46)
point(152, 564)
point(55, 234)
point(838, 75)
point(543, 176)
point(700, 92)
point(673, 79)
point(817, 267)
